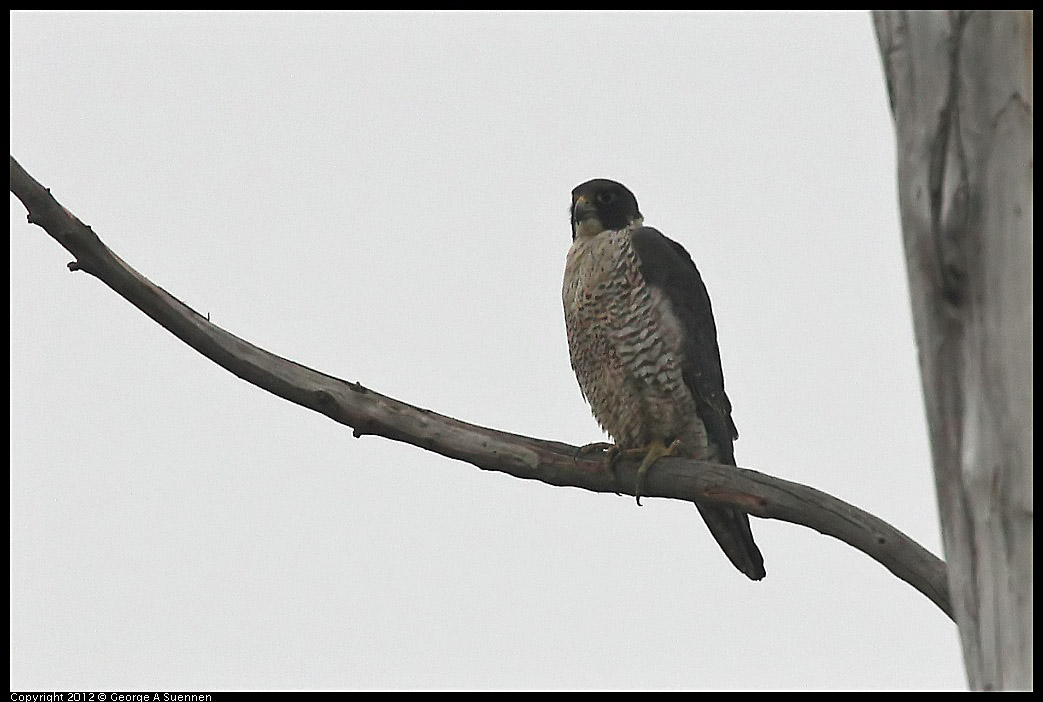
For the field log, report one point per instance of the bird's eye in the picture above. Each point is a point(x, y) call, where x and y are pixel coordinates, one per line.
point(606, 197)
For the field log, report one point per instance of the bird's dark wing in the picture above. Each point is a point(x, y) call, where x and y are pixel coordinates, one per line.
point(666, 265)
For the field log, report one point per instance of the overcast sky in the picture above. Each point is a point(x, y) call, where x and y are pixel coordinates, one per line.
point(384, 197)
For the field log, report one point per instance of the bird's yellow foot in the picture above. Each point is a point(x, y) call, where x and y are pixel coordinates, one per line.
point(656, 450)
point(615, 454)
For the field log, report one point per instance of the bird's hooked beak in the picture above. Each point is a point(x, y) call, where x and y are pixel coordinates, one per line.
point(585, 220)
point(583, 210)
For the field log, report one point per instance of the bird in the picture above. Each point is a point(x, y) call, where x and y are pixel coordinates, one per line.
point(643, 345)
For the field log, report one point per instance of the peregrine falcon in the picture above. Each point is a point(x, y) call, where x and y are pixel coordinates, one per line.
point(643, 344)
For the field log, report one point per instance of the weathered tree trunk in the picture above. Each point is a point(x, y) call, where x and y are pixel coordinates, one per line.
point(960, 85)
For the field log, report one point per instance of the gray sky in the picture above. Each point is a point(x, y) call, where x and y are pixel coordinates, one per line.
point(384, 197)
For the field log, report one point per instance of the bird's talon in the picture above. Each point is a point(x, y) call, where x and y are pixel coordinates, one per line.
point(612, 456)
point(610, 452)
point(656, 450)
point(639, 488)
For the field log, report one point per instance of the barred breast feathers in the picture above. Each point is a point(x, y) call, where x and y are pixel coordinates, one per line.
point(625, 344)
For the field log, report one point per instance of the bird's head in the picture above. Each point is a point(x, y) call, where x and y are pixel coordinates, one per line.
point(602, 205)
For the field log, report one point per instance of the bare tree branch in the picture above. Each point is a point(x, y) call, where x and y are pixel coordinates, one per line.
point(551, 462)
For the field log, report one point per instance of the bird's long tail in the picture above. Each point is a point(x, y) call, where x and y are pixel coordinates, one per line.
point(731, 528)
